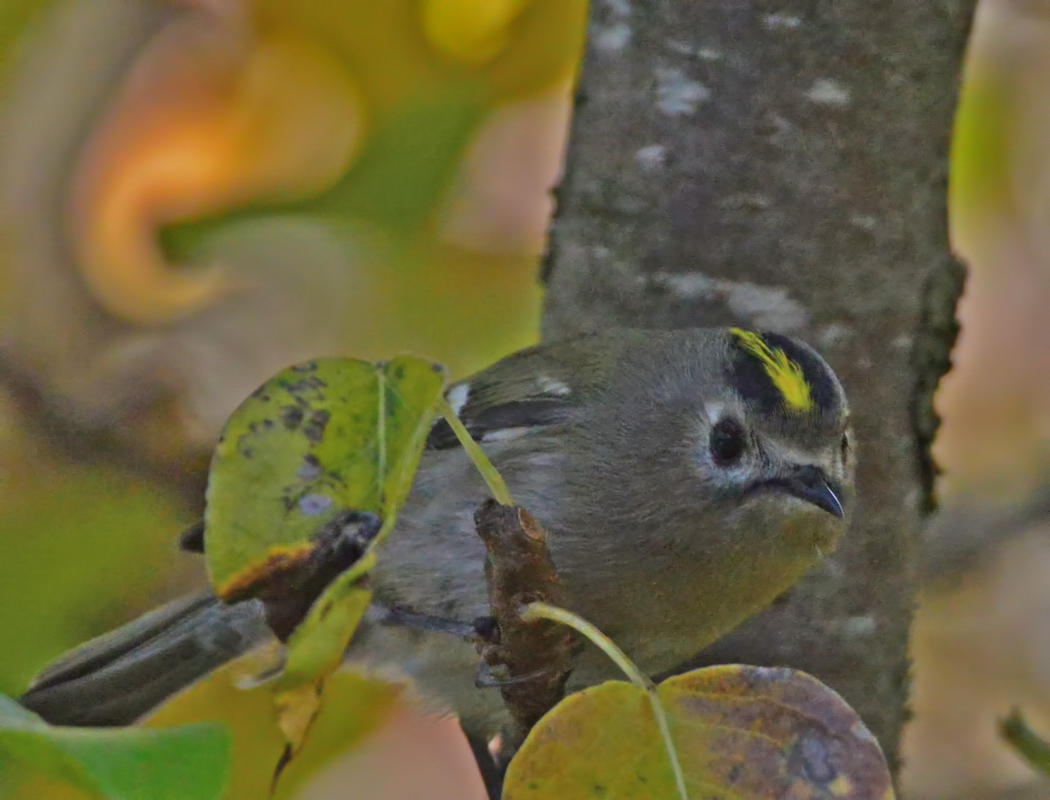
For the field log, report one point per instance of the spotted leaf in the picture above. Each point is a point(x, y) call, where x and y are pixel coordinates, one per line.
point(738, 731)
point(305, 473)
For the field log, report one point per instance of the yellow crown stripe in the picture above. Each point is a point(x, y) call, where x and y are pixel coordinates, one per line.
point(786, 375)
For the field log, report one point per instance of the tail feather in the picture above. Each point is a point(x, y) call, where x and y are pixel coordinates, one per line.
point(122, 675)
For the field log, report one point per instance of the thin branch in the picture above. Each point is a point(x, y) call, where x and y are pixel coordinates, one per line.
point(530, 661)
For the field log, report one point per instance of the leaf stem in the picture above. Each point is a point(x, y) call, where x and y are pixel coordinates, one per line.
point(493, 479)
point(1025, 742)
point(535, 611)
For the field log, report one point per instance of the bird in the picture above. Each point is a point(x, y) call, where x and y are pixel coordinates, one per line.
point(685, 479)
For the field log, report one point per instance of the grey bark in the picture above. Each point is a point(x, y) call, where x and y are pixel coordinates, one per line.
point(783, 165)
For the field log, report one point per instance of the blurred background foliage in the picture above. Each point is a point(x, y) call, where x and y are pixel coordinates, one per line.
point(981, 637)
point(196, 193)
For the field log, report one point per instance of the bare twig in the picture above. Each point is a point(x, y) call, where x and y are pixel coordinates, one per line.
point(530, 661)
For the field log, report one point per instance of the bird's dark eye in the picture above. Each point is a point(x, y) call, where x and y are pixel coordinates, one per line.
point(845, 444)
point(728, 442)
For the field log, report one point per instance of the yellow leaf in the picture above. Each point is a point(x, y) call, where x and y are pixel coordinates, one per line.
point(354, 706)
point(470, 31)
point(739, 732)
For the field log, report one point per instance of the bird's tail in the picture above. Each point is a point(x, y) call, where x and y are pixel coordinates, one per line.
point(124, 674)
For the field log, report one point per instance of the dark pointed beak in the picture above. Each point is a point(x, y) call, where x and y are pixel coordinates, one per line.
point(810, 483)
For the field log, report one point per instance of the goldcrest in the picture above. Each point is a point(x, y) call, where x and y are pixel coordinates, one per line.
point(685, 479)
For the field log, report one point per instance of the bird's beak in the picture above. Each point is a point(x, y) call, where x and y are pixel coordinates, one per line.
point(810, 483)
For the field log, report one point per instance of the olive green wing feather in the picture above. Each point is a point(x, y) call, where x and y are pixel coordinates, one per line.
point(526, 391)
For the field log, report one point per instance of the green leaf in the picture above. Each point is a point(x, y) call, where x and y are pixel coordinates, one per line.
point(316, 647)
point(185, 763)
point(738, 731)
point(315, 651)
point(985, 123)
point(406, 399)
point(1033, 748)
point(300, 464)
point(409, 163)
point(321, 440)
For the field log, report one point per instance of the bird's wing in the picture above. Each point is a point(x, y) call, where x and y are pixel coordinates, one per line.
point(527, 391)
point(523, 393)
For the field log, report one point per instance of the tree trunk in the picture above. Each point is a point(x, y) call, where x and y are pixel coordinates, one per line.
point(784, 166)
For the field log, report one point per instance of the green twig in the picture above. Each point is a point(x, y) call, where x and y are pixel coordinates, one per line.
point(535, 611)
point(1034, 749)
point(481, 461)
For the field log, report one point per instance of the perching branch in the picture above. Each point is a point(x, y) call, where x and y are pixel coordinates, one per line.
point(529, 661)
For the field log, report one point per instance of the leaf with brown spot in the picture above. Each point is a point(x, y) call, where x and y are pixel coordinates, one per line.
point(315, 651)
point(316, 647)
point(307, 479)
point(306, 471)
point(740, 732)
